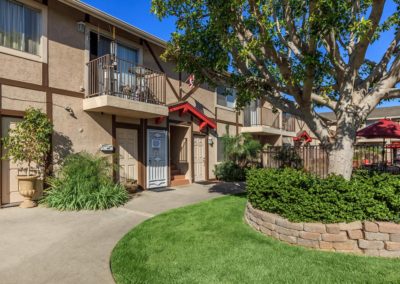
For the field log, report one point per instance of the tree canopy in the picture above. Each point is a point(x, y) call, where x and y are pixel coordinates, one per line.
point(296, 54)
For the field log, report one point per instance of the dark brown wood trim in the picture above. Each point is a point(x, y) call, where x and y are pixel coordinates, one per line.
point(1, 150)
point(207, 165)
point(114, 144)
point(161, 69)
point(180, 85)
point(145, 153)
point(237, 123)
point(157, 127)
point(140, 155)
point(188, 94)
point(192, 151)
point(12, 113)
point(228, 122)
point(126, 125)
point(40, 88)
point(169, 154)
point(45, 74)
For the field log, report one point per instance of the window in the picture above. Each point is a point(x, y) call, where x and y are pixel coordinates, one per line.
point(101, 45)
point(226, 97)
point(220, 149)
point(20, 27)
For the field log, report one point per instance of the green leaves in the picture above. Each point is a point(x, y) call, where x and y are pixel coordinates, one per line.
point(302, 197)
point(84, 183)
point(29, 141)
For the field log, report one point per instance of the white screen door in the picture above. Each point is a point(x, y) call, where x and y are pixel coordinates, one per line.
point(157, 157)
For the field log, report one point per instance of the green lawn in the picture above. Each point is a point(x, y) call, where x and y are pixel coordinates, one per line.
point(210, 243)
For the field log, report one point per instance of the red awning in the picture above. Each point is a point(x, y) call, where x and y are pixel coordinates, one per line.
point(188, 108)
point(303, 136)
point(384, 128)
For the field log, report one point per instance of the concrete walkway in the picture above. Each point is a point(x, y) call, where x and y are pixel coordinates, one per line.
point(46, 246)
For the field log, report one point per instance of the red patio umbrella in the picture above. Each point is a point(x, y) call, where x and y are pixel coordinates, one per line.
point(383, 128)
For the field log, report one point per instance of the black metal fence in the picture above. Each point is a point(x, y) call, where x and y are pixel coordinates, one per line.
point(314, 159)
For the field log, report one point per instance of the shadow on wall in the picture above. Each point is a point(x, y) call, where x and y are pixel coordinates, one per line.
point(62, 147)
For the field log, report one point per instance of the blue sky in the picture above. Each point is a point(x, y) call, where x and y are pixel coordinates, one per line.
point(137, 13)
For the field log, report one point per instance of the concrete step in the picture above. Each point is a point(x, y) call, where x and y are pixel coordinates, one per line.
point(177, 177)
point(178, 182)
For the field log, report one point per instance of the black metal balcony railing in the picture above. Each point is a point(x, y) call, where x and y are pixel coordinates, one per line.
point(261, 116)
point(288, 122)
point(109, 75)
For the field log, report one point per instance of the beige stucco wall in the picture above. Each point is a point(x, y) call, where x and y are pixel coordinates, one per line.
point(14, 98)
point(226, 114)
point(81, 132)
point(66, 48)
point(20, 69)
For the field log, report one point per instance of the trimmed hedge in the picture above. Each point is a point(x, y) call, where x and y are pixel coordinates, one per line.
point(302, 197)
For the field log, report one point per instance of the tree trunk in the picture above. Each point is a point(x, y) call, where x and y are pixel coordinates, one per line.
point(340, 157)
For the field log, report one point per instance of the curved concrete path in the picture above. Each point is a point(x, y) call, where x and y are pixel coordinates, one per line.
point(46, 246)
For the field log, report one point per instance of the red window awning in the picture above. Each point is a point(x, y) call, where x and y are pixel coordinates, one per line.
point(185, 107)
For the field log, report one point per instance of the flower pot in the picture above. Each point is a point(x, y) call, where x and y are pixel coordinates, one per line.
point(27, 188)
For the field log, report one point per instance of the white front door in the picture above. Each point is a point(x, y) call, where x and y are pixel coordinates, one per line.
point(9, 183)
point(199, 148)
point(127, 150)
point(157, 157)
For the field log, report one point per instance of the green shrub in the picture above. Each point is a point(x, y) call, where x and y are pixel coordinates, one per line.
point(229, 171)
point(302, 197)
point(84, 183)
point(240, 153)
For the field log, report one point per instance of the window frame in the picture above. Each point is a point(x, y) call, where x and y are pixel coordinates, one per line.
point(226, 107)
point(42, 56)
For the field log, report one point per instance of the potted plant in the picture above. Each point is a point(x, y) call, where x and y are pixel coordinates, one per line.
point(29, 143)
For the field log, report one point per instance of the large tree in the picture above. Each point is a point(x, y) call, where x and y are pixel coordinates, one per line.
point(299, 55)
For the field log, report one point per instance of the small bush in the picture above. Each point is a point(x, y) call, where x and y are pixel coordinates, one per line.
point(84, 183)
point(240, 153)
point(302, 197)
point(229, 171)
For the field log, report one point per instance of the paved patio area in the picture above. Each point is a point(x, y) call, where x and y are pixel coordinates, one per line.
point(46, 246)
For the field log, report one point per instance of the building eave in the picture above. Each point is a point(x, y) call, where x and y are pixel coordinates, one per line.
point(114, 21)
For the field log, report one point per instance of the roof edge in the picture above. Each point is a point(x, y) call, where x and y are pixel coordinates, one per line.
point(115, 21)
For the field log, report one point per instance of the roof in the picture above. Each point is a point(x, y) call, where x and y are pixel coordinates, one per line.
point(382, 112)
point(114, 21)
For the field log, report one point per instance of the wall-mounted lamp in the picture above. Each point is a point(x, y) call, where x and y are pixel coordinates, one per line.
point(81, 26)
point(210, 141)
point(70, 111)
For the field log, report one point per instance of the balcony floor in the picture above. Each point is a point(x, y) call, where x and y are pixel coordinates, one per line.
point(124, 107)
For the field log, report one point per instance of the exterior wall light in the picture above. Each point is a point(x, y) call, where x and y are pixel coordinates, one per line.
point(81, 26)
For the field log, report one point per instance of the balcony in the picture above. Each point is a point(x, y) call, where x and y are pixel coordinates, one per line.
point(116, 86)
point(261, 120)
point(288, 122)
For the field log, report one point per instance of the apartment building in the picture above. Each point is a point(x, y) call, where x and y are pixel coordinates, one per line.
point(102, 84)
point(392, 113)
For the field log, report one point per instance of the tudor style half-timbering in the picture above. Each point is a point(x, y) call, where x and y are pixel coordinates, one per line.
point(102, 84)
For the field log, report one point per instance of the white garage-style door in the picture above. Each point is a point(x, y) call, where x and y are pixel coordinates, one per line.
point(127, 150)
point(9, 169)
point(157, 158)
point(199, 148)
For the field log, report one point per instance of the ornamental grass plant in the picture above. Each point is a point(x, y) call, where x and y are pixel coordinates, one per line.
point(84, 183)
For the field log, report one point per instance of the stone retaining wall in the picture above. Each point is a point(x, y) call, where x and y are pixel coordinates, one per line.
point(369, 238)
